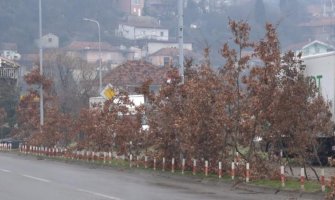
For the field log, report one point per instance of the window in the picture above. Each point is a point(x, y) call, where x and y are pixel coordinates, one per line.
point(49, 39)
point(317, 49)
point(166, 61)
point(162, 33)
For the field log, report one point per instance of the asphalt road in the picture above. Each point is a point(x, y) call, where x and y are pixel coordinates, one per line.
point(24, 177)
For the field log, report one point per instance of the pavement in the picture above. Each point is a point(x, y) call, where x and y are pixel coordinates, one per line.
point(26, 177)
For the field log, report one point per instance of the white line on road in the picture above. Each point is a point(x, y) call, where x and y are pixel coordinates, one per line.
point(5, 170)
point(37, 179)
point(98, 194)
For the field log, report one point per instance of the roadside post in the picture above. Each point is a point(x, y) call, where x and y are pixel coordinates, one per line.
point(220, 169)
point(232, 170)
point(302, 179)
point(247, 177)
point(282, 176)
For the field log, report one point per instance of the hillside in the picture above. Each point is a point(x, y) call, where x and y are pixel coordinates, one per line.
point(19, 20)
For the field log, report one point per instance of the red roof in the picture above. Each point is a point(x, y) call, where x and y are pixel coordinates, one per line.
point(135, 73)
point(173, 52)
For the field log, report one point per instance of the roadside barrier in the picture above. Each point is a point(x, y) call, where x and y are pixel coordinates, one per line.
point(130, 160)
point(183, 166)
point(163, 164)
point(194, 166)
point(247, 176)
point(232, 170)
point(137, 161)
point(282, 176)
point(323, 187)
point(172, 165)
point(237, 170)
point(220, 169)
point(145, 162)
point(155, 164)
point(302, 179)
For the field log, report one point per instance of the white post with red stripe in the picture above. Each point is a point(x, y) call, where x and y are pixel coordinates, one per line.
point(137, 161)
point(220, 169)
point(93, 156)
point(194, 166)
point(302, 179)
point(206, 168)
point(282, 176)
point(110, 157)
point(183, 166)
point(155, 164)
point(163, 164)
point(323, 185)
point(145, 162)
point(130, 160)
point(233, 170)
point(172, 167)
point(247, 177)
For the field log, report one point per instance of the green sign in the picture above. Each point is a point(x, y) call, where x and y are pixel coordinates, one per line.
point(317, 80)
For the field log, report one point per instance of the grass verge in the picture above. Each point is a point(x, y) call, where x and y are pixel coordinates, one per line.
point(290, 184)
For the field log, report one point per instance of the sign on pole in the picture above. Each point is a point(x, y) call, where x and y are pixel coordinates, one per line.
point(108, 92)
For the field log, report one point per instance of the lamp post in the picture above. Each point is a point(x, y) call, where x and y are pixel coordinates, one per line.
point(100, 79)
point(181, 39)
point(41, 65)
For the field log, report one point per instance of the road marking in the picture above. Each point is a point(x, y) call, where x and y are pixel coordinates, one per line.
point(99, 194)
point(5, 170)
point(37, 179)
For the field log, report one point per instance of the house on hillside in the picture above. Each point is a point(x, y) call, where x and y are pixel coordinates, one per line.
point(48, 41)
point(169, 57)
point(142, 28)
point(9, 50)
point(132, 74)
point(132, 7)
point(89, 51)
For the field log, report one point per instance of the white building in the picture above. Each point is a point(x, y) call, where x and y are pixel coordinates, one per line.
point(11, 55)
point(316, 47)
point(142, 27)
point(48, 41)
point(321, 67)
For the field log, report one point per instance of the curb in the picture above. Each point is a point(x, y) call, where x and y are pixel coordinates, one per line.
point(280, 191)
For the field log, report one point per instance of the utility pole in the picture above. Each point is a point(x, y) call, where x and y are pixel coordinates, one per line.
point(99, 40)
point(181, 39)
point(41, 65)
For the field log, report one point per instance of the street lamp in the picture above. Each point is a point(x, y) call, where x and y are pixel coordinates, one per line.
point(95, 21)
point(41, 65)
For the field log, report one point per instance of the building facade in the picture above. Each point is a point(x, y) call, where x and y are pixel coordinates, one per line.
point(321, 68)
point(48, 41)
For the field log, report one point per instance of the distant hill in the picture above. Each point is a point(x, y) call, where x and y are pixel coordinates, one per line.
point(19, 20)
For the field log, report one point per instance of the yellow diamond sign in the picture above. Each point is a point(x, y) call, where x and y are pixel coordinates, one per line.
point(108, 92)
